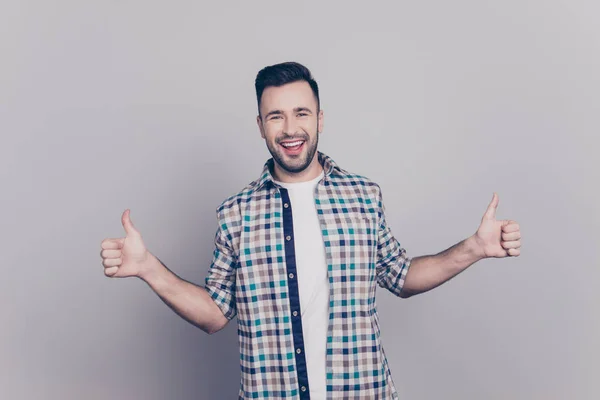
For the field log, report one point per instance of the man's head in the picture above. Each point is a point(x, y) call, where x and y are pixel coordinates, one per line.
point(289, 112)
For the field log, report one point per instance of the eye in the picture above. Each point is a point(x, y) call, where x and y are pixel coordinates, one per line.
point(275, 117)
point(302, 114)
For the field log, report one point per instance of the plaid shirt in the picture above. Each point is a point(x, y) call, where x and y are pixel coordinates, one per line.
point(253, 274)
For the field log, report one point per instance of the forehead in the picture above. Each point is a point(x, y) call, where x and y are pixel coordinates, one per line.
point(287, 97)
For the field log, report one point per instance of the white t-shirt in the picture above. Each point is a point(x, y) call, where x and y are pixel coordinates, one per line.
point(313, 284)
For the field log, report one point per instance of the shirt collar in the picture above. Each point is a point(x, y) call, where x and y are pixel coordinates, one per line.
point(329, 167)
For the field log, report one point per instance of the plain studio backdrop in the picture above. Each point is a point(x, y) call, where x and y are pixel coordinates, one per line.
point(150, 106)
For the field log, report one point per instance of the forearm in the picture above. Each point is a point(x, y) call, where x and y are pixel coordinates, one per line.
point(428, 272)
point(189, 301)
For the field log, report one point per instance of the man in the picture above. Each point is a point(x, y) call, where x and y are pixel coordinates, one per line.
point(298, 255)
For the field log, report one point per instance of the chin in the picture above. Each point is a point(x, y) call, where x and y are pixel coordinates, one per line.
point(295, 168)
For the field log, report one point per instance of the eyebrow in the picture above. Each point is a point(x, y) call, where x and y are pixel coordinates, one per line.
point(297, 109)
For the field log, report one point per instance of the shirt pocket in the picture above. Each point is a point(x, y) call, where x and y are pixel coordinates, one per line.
point(360, 226)
point(358, 239)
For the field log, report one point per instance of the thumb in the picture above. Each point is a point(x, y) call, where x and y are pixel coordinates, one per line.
point(490, 213)
point(127, 224)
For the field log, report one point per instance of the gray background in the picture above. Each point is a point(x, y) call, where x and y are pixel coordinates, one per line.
point(150, 106)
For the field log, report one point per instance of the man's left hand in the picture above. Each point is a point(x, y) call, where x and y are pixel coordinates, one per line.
point(495, 238)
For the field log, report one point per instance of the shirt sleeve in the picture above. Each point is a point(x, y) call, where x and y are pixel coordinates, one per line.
point(392, 261)
point(220, 281)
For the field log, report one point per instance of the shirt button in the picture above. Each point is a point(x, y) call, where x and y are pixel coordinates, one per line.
point(298, 350)
point(291, 275)
point(288, 238)
point(286, 205)
point(295, 313)
point(303, 388)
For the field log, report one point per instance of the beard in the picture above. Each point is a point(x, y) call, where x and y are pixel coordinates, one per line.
point(295, 164)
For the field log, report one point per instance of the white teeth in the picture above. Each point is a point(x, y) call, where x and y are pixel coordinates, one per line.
point(291, 144)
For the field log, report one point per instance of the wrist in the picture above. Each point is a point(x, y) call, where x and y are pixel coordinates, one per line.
point(150, 268)
point(475, 248)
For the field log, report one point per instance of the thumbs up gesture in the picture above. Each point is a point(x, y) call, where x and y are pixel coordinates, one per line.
point(126, 256)
point(498, 238)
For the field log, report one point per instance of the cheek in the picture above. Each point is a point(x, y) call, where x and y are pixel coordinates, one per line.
point(271, 133)
point(308, 126)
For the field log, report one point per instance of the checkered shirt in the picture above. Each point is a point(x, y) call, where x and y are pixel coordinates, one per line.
point(253, 275)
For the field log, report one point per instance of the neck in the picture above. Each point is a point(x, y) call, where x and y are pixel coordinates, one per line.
point(311, 172)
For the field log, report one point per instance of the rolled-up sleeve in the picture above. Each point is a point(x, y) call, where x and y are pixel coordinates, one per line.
point(220, 281)
point(392, 261)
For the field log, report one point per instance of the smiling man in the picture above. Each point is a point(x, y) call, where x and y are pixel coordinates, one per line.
point(298, 255)
point(290, 120)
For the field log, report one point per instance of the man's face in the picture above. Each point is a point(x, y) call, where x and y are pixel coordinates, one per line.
point(288, 115)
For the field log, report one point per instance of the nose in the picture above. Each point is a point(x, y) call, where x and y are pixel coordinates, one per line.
point(290, 126)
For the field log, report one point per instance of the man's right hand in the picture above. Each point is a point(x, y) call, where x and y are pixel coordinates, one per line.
point(126, 256)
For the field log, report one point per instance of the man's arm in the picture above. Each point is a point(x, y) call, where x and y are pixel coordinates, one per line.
point(191, 302)
point(428, 272)
point(494, 238)
point(209, 307)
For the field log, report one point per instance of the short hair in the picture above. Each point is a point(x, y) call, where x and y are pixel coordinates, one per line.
point(281, 74)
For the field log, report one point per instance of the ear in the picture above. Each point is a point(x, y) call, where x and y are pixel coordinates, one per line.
point(320, 122)
point(260, 126)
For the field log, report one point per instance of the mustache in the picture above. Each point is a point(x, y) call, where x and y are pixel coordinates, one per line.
point(306, 138)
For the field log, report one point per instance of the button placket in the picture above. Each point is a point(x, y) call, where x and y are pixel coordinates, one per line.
point(293, 294)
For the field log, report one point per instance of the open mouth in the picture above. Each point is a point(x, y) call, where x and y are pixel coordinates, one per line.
point(292, 147)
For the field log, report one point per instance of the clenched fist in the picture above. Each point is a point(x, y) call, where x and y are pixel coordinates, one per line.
point(128, 256)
